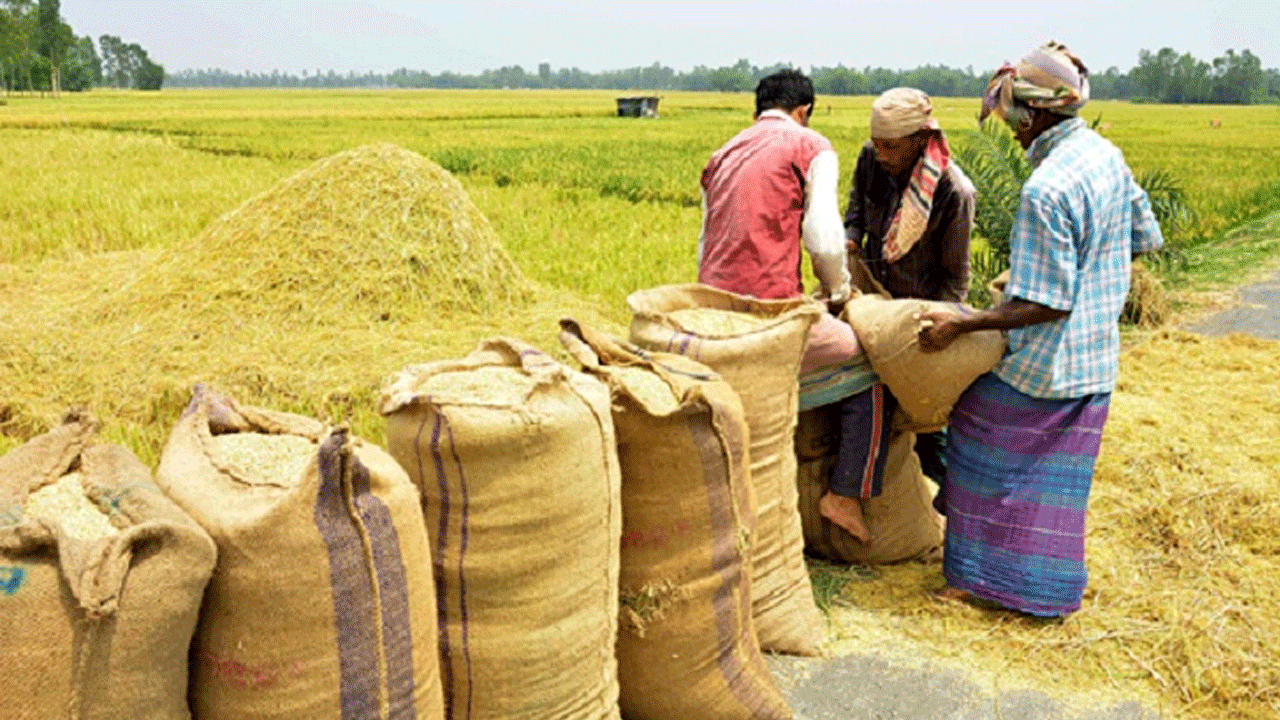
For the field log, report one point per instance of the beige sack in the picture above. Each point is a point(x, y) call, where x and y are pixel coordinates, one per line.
point(96, 613)
point(322, 604)
point(926, 385)
point(762, 363)
point(687, 516)
point(902, 521)
point(996, 287)
point(515, 456)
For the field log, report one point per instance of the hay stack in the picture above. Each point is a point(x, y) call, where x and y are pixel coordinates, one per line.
point(1147, 304)
point(366, 232)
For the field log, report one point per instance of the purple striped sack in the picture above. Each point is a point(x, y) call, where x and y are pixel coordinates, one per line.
point(688, 516)
point(514, 455)
point(100, 582)
point(322, 604)
point(760, 359)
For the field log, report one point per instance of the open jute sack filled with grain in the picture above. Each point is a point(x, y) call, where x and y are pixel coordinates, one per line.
point(687, 646)
point(901, 519)
point(755, 346)
point(101, 578)
point(322, 603)
point(926, 385)
point(515, 457)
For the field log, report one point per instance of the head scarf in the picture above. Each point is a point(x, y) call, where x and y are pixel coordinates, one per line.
point(898, 113)
point(1050, 78)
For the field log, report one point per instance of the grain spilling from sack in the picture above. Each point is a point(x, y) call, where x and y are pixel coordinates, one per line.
point(687, 646)
point(64, 503)
point(513, 454)
point(902, 521)
point(761, 363)
point(323, 603)
point(926, 385)
point(96, 616)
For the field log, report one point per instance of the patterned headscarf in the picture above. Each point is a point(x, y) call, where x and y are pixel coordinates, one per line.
point(1050, 78)
point(898, 113)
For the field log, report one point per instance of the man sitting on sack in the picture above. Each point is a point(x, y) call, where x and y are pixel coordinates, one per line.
point(765, 193)
point(909, 217)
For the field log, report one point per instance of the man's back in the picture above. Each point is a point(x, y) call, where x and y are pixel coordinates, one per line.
point(754, 193)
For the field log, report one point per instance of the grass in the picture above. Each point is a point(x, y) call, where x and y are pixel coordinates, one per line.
point(113, 199)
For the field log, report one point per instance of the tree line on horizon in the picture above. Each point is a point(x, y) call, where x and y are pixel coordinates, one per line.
point(39, 52)
point(1163, 76)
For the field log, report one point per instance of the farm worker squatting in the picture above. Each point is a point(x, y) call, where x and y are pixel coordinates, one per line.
point(768, 190)
point(909, 216)
point(1024, 438)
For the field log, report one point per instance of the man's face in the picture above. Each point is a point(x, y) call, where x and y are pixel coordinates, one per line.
point(898, 155)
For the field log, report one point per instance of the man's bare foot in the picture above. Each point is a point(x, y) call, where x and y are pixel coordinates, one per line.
point(845, 512)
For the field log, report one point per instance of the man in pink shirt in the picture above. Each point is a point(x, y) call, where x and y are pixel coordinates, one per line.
point(766, 193)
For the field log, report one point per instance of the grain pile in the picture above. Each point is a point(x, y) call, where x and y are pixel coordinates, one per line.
point(715, 322)
point(646, 386)
point(65, 504)
point(275, 457)
point(1183, 604)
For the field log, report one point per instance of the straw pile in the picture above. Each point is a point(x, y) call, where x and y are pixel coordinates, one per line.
point(65, 504)
point(367, 232)
point(1183, 604)
point(1147, 304)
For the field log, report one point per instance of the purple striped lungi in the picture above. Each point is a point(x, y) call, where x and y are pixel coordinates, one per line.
point(1019, 470)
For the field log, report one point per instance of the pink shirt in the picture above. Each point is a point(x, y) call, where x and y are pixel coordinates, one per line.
point(754, 190)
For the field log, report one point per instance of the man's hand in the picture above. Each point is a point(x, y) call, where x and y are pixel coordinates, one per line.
point(853, 249)
point(938, 329)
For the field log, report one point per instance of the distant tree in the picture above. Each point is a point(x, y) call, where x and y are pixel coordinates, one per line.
point(544, 73)
point(1238, 78)
point(53, 41)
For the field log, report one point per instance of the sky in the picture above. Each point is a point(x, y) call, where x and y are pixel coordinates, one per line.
point(471, 36)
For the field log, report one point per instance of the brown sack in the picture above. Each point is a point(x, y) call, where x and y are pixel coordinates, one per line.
point(322, 604)
point(515, 456)
point(926, 385)
point(687, 516)
point(902, 521)
point(99, 592)
point(761, 362)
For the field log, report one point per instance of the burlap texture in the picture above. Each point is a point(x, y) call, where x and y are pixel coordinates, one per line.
point(926, 385)
point(687, 518)
point(522, 500)
point(322, 604)
point(762, 366)
point(902, 521)
point(96, 629)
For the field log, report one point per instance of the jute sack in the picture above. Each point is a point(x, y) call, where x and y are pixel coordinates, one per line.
point(322, 603)
point(902, 521)
point(100, 583)
point(515, 456)
point(759, 356)
point(927, 385)
point(687, 515)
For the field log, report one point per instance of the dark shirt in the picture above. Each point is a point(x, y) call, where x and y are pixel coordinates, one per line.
point(937, 266)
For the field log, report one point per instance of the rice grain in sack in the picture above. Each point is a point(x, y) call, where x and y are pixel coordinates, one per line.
point(902, 521)
point(926, 385)
point(759, 356)
point(322, 605)
point(687, 516)
point(515, 457)
point(101, 578)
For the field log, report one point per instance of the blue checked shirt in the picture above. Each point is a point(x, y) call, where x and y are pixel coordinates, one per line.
point(1081, 219)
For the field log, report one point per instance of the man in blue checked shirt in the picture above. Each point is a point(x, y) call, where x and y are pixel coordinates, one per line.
point(1024, 437)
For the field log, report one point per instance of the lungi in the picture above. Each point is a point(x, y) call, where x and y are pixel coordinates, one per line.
point(1019, 470)
point(836, 371)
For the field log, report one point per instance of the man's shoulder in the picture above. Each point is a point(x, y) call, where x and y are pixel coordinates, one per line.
point(956, 181)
